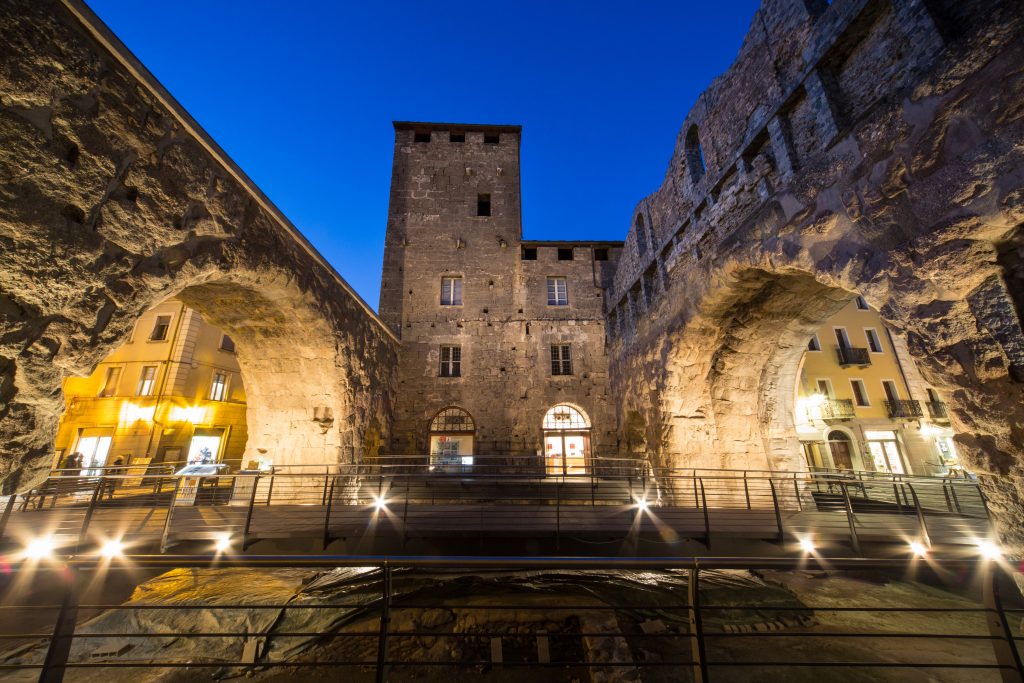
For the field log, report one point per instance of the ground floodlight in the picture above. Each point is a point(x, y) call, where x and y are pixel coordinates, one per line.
point(989, 550)
point(379, 503)
point(224, 543)
point(112, 548)
point(807, 545)
point(39, 548)
point(642, 504)
point(918, 549)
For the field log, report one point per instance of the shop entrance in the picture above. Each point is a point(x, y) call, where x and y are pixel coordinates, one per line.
point(451, 440)
point(885, 451)
point(841, 449)
point(566, 441)
point(93, 449)
point(205, 446)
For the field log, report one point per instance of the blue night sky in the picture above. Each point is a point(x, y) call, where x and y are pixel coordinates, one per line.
point(302, 96)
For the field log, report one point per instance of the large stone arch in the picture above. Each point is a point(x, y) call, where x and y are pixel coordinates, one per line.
point(114, 200)
point(907, 190)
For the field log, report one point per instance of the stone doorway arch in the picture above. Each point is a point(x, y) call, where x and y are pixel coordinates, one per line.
point(451, 439)
point(567, 432)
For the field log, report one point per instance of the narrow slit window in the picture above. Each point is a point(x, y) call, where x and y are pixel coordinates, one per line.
point(451, 291)
point(600, 254)
point(561, 362)
point(483, 205)
point(227, 344)
point(565, 254)
point(491, 138)
point(558, 294)
point(456, 137)
point(814, 344)
point(862, 304)
point(451, 361)
point(529, 253)
point(422, 136)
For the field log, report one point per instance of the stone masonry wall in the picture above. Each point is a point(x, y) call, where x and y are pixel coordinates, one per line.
point(112, 200)
point(504, 325)
point(871, 147)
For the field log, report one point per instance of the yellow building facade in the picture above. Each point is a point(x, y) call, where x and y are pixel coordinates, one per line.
point(172, 393)
point(861, 403)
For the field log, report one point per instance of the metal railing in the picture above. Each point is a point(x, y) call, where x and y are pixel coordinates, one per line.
point(849, 355)
point(938, 410)
point(387, 624)
point(406, 497)
point(837, 409)
point(904, 408)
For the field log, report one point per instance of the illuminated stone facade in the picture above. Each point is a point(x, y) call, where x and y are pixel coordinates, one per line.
point(863, 147)
point(459, 279)
point(114, 201)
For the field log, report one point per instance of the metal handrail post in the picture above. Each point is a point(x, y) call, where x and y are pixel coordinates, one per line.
point(778, 512)
point(385, 623)
point(55, 662)
point(896, 493)
point(945, 494)
point(558, 515)
point(707, 520)
point(699, 666)
point(854, 540)
point(170, 512)
point(7, 513)
point(956, 499)
point(88, 513)
point(746, 489)
point(988, 513)
point(248, 514)
point(323, 496)
point(796, 492)
point(270, 488)
point(327, 515)
point(1003, 643)
point(921, 523)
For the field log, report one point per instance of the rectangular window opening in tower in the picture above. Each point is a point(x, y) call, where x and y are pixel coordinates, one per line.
point(561, 362)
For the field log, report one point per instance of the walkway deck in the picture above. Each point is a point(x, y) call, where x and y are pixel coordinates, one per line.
point(320, 509)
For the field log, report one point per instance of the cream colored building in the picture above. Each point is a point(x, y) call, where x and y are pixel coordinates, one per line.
point(173, 392)
point(861, 403)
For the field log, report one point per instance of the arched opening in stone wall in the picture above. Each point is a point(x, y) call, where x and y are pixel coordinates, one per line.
point(694, 154)
point(737, 379)
point(452, 436)
point(566, 440)
point(305, 387)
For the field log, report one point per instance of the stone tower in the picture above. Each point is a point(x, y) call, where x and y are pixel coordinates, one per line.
point(461, 287)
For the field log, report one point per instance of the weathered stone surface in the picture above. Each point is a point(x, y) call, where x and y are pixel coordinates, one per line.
point(880, 153)
point(112, 200)
point(504, 326)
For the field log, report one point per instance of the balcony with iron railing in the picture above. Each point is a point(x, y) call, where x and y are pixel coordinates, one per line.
point(849, 355)
point(837, 409)
point(938, 411)
point(904, 408)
